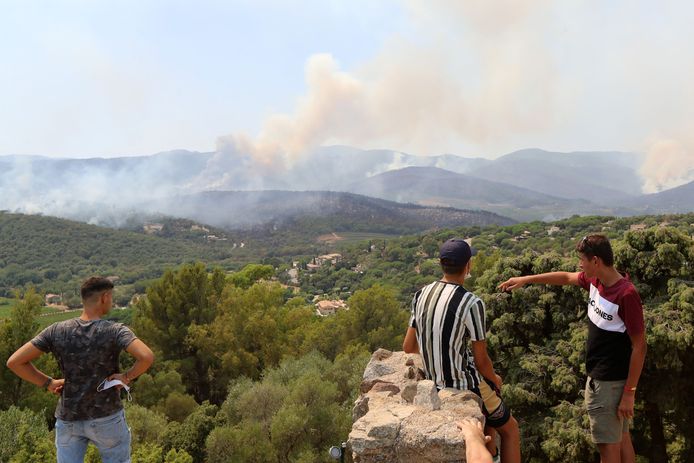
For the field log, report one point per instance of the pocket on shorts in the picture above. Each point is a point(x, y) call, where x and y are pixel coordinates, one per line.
point(111, 433)
point(63, 433)
point(595, 409)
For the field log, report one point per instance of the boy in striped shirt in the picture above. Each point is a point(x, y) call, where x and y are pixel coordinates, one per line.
point(444, 317)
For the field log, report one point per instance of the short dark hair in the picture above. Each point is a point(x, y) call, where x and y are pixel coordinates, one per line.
point(596, 246)
point(450, 268)
point(95, 285)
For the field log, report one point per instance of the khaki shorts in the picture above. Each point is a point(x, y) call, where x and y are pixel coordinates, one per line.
point(602, 401)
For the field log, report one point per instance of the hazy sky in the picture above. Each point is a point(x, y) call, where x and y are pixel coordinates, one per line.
point(109, 78)
point(276, 78)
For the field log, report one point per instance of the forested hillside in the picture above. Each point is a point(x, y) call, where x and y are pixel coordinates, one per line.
point(247, 372)
point(56, 254)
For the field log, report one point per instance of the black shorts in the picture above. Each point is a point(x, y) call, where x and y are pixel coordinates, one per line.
point(493, 407)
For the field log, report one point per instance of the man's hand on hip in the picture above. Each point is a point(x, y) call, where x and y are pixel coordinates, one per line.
point(56, 386)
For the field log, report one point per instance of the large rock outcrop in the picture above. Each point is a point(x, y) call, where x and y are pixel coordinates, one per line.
point(400, 417)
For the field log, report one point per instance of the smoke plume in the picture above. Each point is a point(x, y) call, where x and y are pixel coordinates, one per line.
point(418, 94)
point(489, 77)
point(669, 163)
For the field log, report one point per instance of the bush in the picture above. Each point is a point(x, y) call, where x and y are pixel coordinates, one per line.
point(24, 437)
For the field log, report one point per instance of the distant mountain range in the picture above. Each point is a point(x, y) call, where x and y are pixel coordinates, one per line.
point(344, 211)
point(592, 176)
point(524, 185)
point(434, 186)
point(674, 200)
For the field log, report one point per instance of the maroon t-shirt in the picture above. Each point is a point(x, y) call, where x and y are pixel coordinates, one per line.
point(614, 314)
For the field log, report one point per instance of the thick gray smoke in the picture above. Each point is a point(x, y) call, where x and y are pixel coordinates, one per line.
point(487, 77)
point(99, 191)
point(416, 96)
point(669, 162)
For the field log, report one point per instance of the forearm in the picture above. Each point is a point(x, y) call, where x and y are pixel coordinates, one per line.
point(485, 367)
point(144, 357)
point(475, 441)
point(638, 357)
point(475, 451)
point(139, 367)
point(410, 344)
point(20, 362)
point(28, 372)
point(551, 278)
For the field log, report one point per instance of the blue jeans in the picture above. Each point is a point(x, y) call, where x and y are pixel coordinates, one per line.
point(109, 434)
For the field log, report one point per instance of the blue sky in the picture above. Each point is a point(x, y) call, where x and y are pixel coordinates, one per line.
point(275, 79)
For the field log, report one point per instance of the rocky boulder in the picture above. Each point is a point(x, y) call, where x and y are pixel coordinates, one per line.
point(400, 417)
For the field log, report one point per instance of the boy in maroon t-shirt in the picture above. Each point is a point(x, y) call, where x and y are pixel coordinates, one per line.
point(616, 346)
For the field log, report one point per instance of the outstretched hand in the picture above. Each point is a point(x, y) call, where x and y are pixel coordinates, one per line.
point(512, 283)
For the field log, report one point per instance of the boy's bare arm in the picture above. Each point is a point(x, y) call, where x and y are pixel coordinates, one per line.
point(483, 363)
point(551, 278)
point(410, 345)
point(20, 364)
point(144, 357)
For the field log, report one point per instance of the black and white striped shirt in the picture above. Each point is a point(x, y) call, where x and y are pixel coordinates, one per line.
point(445, 316)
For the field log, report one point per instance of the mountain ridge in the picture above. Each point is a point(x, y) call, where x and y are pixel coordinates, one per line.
point(529, 184)
point(253, 208)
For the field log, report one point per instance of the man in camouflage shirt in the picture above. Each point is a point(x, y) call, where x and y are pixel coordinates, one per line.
point(87, 350)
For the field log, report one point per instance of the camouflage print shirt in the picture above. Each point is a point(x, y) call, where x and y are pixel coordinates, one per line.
point(87, 352)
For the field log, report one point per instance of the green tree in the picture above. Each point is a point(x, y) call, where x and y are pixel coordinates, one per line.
point(178, 456)
point(245, 443)
point(192, 433)
point(347, 370)
point(178, 406)
point(146, 426)
point(566, 429)
point(24, 437)
point(654, 256)
point(153, 390)
point(177, 303)
point(310, 418)
point(666, 379)
point(147, 453)
point(375, 318)
point(245, 338)
point(294, 413)
point(251, 274)
point(19, 328)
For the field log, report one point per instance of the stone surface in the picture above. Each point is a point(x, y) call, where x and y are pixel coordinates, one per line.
point(427, 396)
point(381, 354)
point(386, 387)
point(361, 407)
point(409, 393)
point(400, 417)
point(377, 370)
